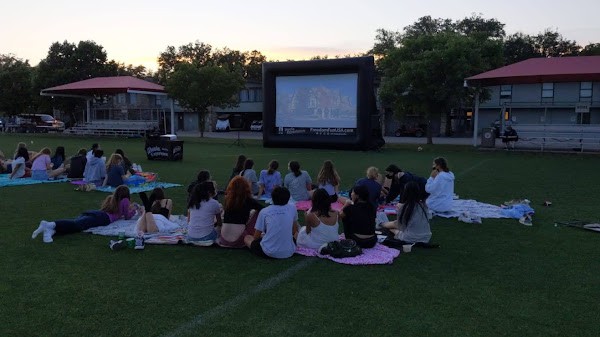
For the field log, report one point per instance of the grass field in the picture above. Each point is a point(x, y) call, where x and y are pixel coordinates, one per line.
point(495, 279)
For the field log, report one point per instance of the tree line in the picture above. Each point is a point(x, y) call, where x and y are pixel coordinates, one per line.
point(422, 67)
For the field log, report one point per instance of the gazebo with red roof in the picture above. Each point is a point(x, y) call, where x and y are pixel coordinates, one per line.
point(113, 85)
point(536, 70)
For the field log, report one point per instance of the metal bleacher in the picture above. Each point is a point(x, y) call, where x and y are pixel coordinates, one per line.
point(580, 137)
point(114, 128)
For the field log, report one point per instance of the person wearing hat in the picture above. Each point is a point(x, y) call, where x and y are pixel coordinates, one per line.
point(396, 179)
point(509, 137)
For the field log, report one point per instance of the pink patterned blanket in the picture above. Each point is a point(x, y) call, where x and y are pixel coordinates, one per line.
point(306, 204)
point(379, 254)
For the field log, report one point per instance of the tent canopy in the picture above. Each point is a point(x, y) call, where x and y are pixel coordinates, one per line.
point(542, 70)
point(105, 86)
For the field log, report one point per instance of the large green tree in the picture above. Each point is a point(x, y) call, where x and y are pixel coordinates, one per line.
point(199, 88)
point(592, 49)
point(68, 62)
point(424, 73)
point(519, 47)
point(15, 85)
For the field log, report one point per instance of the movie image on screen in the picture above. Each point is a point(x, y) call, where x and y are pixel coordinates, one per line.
point(318, 101)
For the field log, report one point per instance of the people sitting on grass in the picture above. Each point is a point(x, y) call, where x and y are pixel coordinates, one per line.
point(127, 164)
point(329, 180)
point(77, 165)
point(440, 187)
point(115, 171)
point(298, 182)
point(372, 184)
point(154, 220)
point(321, 222)
point(275, 229)
point(58, 159)
point(92, 150)
point(250, 175)
point(42, 169)
point(202, 176)
point(396, 179)
point(412, 223)
point(239, 166)
point(95, 171)
point(114, 207)
point(358, 217)
point(240, 214)
point(204, 214)
point(157, 194)
point(269, 179)
point(19, 168)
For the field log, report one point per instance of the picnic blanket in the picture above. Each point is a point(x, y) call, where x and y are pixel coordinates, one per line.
point(128, 227)
point(379, 254)
point(5, 181)
point(475, 209)
point(141, 188)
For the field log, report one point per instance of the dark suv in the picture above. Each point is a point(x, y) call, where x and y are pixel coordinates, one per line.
point(39, 123)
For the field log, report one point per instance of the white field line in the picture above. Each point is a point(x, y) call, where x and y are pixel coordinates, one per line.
point(217, 311)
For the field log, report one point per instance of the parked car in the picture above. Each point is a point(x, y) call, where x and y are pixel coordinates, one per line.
point(256, 125)
point(38, 123)
point(410, 131)
point(222, 125)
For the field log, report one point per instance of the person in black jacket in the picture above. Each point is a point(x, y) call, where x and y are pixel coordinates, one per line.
point(509, 137)
point(396, 179)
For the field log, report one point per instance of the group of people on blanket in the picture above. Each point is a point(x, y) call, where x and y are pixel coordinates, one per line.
point(273, 231)
point(89, 165)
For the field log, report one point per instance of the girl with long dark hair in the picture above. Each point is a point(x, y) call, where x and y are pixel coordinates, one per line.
point(321, 222)
point(204, 213)
point(298, 182)
point(412, 223)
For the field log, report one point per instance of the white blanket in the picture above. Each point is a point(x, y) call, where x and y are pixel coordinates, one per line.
point(128, 227)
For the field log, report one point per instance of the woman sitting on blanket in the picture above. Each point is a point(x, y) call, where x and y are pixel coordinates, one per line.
point(19, 169)
point(127, 164)
point(202, 211)
point(157, 195)
point(412, 223)
point(241, 210)
point(154, 220)
point(358, 217)
point(42, 169)
point(298, 182)
point(115, 171)
point(239, 166)
point(321, 222)
point(202, 176)
point(58, 159)
point(114, 207)
point(440, 187)
point(329, 180)
point(269, 179)
point(250, 175)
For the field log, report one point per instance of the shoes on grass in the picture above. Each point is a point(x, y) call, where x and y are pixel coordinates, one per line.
point(526, 220)
point(46, 229)
point(139, 243)
point(117, 245)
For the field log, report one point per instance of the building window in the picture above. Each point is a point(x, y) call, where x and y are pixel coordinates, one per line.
point(121, 99)
point(259, 96)
point(133, 99)
point(244, 95)
point(585, 91)
point(251, 95)
point(547, 90)
point(506, 91)
point(158, 101)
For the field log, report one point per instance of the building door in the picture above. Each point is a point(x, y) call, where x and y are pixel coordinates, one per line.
point(180, 122)
point(583, 118)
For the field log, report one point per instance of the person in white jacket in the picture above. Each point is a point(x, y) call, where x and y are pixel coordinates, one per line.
point(440, 187)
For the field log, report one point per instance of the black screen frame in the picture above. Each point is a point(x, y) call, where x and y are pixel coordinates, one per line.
point(364, 67)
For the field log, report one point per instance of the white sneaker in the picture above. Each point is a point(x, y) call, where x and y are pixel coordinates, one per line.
point(49, 231)
point(39, 230)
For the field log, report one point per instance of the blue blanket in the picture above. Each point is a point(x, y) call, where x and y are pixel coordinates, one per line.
point(6, 181)
point(141, 188)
